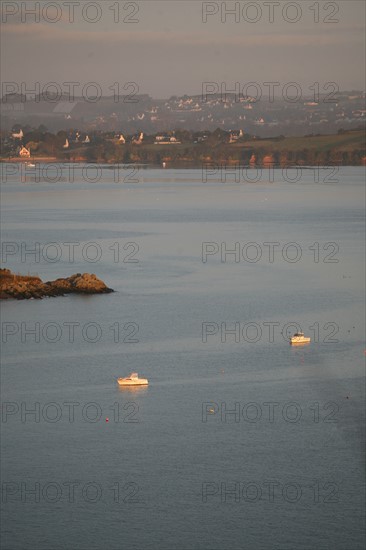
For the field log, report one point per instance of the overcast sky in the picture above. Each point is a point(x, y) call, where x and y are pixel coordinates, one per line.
point(170, 50)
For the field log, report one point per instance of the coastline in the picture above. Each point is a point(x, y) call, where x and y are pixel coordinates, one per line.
point(26, 287)
point(342, 149)
point(183, 165)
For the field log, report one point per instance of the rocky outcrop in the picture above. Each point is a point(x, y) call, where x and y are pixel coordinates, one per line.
point(23, 287)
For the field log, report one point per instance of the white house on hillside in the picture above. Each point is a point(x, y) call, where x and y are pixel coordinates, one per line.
point(18, 135)
point(139, 140)
point(24, 152)
point(235, 135)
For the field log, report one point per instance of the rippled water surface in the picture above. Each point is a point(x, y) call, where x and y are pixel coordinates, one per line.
point(240, 440)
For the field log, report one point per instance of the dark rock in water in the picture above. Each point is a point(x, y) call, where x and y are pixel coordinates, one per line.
point(24, 287)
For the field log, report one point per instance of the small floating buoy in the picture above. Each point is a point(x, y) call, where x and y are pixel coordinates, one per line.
point(107, 419)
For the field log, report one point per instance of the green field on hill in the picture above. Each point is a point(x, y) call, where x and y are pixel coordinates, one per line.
point(348, 141)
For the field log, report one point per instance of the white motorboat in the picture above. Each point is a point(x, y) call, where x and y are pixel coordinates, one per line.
point(132, 380)
point(299, 338)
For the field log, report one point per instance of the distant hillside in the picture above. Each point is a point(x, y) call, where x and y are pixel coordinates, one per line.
point(134, 113)
point(347, 148)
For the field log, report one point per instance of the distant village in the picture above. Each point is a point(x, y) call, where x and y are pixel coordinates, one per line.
point(24, 144)
point(182, 147)
point(181, 130)
point(143, 114)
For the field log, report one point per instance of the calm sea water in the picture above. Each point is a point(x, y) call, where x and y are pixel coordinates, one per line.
point(240, 441)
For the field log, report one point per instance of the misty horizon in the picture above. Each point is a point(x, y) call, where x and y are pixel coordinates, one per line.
point(46, 93)
point(172, 48)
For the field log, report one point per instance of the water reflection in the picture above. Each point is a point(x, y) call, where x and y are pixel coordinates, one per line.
point(140, 390)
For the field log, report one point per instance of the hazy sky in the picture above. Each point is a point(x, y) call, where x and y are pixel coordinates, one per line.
point(169, 49)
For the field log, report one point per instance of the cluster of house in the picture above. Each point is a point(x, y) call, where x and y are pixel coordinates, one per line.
point(136, 140)
point(75, 137)
point(164, 139)
point(202, 112)
point(21, 150)
point(24, 152)
point(160, 139)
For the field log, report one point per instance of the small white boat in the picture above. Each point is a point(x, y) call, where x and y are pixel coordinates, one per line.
point(299, 338)
point(132, 380)
point(31, 165)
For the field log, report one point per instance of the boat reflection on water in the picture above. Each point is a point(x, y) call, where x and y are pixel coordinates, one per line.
point(141, 390)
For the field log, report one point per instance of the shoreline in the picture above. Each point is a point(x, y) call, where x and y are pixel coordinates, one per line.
point(181, 165)
point(25, 287)
point(346, 148)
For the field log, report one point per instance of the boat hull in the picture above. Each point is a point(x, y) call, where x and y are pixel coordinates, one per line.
point(138, 382)
point(299, 341)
